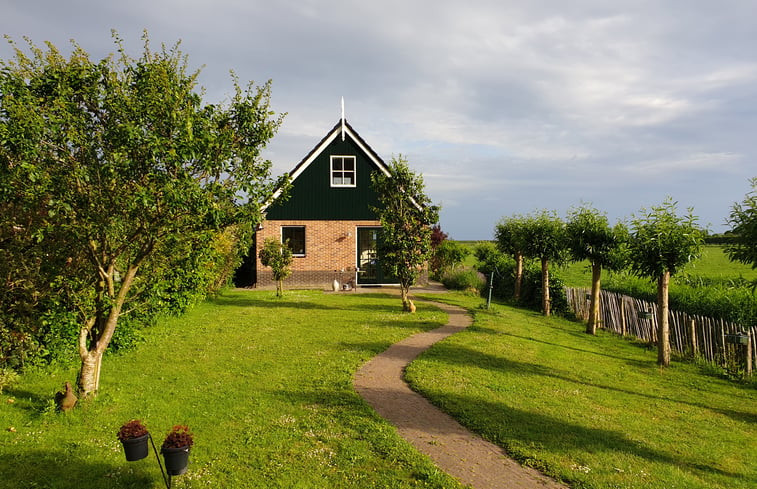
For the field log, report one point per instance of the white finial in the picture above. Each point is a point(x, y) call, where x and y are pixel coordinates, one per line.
point(342, 118)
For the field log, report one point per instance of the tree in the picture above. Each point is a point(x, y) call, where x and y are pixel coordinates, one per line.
point(545, 239)
point(437, 235)
point(511, 237)
point(278, 256)
point(743, 221)
point(590, 237)
point(406, 215)
point(661, 244)
point(124, 167)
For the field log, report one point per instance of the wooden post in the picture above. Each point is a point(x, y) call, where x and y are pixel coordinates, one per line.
point(748, 372)
point(622, 315)
point(693, 338)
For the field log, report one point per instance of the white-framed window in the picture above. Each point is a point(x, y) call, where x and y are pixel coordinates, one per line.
point(342, 171)
point(294, 238)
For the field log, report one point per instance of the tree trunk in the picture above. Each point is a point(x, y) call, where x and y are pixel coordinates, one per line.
point(404, 292)
point(280, 288)
point(596, 275)
point(96, 333)
point(518, 275)
point(663, 329)
point(89, 375)
point(545, 287)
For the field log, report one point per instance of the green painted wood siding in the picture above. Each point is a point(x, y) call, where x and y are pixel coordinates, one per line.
point(312, 197)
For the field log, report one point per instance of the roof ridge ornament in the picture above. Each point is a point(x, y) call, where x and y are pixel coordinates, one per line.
point(342, 118)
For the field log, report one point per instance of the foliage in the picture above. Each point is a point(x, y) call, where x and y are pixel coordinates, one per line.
point(8, 378)
point(743, 219)
point(465, 279)
point(661, 241)
point(278, 256)
point(594, 411)
point(590, 237)
point(179, 437)
point(446, 257)
point(489, 257)
point(113, 169)
point(264, 416)
point(437, 235)
point(132, 429)
point(406, 215)
point(728, 299)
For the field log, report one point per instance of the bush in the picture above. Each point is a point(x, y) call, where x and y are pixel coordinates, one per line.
point(447, 256)
point(468, 280)
point(732, 300)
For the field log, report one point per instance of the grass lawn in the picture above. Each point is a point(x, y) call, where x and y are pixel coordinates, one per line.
point(265, 384)
point(594, 411)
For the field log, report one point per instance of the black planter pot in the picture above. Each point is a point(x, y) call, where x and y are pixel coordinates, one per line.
point(135, 448)
point(176, 460)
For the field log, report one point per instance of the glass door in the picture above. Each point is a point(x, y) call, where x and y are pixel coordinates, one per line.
point(367, 256)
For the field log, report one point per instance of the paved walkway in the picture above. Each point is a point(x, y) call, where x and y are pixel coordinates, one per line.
point(454, 449)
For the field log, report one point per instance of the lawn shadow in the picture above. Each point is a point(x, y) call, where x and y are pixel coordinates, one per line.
point(468, 357)
point(63, 470)
point(507, 427)
point(268, 302)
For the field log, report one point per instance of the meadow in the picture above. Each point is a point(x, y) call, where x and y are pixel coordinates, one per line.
point(265, 384)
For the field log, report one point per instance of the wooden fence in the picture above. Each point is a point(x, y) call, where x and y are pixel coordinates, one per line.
point(690, 335)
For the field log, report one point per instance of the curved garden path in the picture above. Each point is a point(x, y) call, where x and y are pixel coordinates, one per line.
point(454, 449)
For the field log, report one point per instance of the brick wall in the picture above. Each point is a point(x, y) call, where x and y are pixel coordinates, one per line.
point(329, 246)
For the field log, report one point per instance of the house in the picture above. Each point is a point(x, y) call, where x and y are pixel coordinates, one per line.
point(327, 220)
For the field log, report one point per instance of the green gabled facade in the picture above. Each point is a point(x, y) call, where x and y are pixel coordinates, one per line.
point(314, 196)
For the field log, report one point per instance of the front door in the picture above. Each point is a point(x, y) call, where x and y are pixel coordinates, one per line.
point(368, 259)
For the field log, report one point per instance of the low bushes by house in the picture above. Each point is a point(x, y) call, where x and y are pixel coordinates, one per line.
point(464, 279)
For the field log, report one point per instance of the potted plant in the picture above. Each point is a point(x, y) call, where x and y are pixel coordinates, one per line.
point(133, 436)
point(175, 449)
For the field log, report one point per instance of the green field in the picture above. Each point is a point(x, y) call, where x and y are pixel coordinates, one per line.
point(714, 264)
point(266, 386)
point(594, 411)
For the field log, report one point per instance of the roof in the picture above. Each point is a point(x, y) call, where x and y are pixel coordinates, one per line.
point(341, 127)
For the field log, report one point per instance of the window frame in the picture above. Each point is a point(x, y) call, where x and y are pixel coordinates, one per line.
point(342, 171)
point(304, 239)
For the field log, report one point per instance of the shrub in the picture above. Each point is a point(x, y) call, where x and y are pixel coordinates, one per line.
point(447, 256)
point(468, 280)
point(7, 378)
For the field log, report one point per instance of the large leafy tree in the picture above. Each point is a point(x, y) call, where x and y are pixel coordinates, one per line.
point(406, 215)
point(590, 237)
point(114, 167)
point(743, 221)
point(545, 239)
point(512, 239)
point(661, 244)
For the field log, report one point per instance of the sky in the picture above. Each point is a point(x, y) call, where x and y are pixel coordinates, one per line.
point(505, 107)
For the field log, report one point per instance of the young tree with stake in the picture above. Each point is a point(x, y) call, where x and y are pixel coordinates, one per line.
point(661, 244)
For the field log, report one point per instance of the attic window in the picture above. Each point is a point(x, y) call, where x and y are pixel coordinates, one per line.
point(342, 171)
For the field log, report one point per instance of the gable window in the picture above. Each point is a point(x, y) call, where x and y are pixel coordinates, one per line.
point(342, 171)
point(294, 237)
